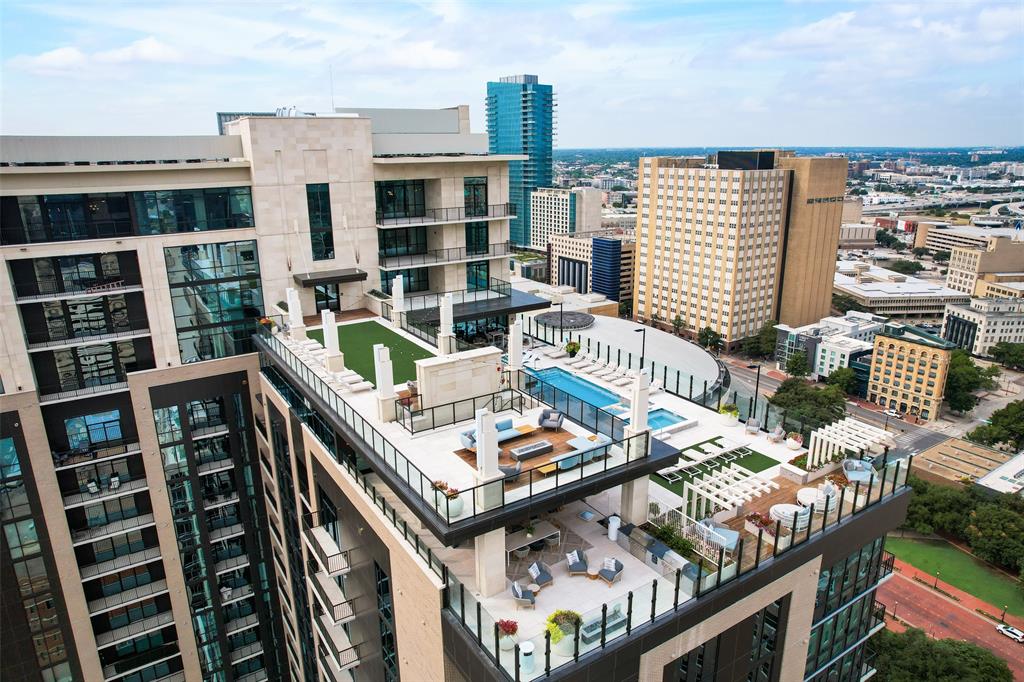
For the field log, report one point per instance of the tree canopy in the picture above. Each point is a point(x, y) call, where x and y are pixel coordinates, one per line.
point(844, 304)
point(904, 267)
point(813, 405)
point(844, 378)
point(913, 656)
point(1008, 354)
point(963, 378)
point(708, 337)
point(797, 364)
point(1006, 426)
point(762, 344)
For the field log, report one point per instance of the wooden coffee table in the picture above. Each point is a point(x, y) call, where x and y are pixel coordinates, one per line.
point(592, 572)
point(527, 429)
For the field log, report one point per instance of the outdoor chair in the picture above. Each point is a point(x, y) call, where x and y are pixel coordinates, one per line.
point(540, 574)
point(511, 473)
point(576, 562)
point(524, 599)
point(550, 419)
point(611, 571)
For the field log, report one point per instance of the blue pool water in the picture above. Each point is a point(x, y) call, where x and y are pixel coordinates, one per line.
point(660, 418)
point(573, 385)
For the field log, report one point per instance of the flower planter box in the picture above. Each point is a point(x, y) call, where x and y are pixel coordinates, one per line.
point(784, 540)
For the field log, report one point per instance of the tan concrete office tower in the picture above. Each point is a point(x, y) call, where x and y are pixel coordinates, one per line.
point(733, 244)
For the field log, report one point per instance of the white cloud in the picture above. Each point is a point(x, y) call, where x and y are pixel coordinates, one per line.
point(72, 60)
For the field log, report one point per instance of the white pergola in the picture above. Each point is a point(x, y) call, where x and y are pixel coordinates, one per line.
point(849, 434)
point(726, 488)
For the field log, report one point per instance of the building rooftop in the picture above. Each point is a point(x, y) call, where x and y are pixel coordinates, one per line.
point(871, 281)
point(956, 459)
point(1007, 477)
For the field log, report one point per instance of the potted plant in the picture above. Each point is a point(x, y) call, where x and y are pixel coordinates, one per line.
point(440, 488)
point(447, 499)
point(529, 530)
point(794, 440)
point(572, 348)
point(563, 625)
point(507, 630)
point(730, 414)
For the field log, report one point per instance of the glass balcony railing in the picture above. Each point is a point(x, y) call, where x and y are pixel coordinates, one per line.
point(449, 215)
point(439, 256)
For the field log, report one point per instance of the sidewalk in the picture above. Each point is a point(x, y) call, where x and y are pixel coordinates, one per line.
point(968, 601)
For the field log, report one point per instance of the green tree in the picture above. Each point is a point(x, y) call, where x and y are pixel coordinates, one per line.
point(941, 256)
point(625, 308)
point(899, 247)
point(844, 303)
point(708, 337)
point(938, 508)
point(963, 378)
point(797, 365)
point(762, 344)
point(807, 403)
point(1006, 426)
point(996, 534)
point(677, 324)
point(1008, 354)
point(905, 267)
point(913, 656)
point(920, 251)
point(844, 378)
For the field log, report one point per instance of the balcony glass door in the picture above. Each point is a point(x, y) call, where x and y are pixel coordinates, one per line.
point(475, 194)
point(327, 297)
point(476, 238)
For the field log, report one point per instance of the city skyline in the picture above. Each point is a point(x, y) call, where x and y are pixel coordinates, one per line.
point(848, 74)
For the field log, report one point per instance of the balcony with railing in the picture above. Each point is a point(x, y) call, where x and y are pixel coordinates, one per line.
point(99, 452)
point(145, 659)
point(455, 214)
point(343, 654)
point(455, 254)
point(57, 288)
point(333, 560)
point(98, 531)
point(102, 568)
point(246, 652)
point(135, 629)
point(129, 596)
point(100, 489)
point(46, 338)
point(332, 598)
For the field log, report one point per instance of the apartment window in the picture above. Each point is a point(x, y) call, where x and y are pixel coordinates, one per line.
point(477, 237)
point(321, 232)
point(93, 429)
point(386, 617)
point(475, 196)
point(400, 199)
point(216, 297)
point(413, 279)
point(402, 241)
point(477, 275)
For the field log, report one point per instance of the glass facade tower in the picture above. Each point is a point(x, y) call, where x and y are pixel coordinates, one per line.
point(520, 120)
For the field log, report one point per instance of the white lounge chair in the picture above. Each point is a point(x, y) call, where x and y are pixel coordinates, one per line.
point(361, 386)
point(607, 372)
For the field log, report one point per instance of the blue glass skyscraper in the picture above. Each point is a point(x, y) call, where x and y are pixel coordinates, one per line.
point(520, 120)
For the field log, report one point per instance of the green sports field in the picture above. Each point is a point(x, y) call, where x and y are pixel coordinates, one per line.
point(357, 341)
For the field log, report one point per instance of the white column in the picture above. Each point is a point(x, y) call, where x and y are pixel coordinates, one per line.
point(515, 345)
point(445, 338)
point(296, 326)
point(638, 409)
point(385, 381)
point(335, 358)
point(633, 502)
point(397, 301)
point(489, 479)
point(489, 556)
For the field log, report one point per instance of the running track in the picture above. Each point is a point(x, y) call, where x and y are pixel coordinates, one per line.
point(944, 618)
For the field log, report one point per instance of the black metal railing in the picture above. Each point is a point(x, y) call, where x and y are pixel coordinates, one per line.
point(42, 338)
point(86, 454)
point(45, 287)
point(418, 419)
point(438, 256)
point(444, 215)
point(496, 288)
point(332, 558)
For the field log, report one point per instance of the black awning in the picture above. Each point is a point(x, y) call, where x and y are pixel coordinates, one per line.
point(309, 279)
point(518, 302)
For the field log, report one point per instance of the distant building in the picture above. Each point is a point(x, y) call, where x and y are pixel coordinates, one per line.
point(1008, 477)
point(599, 262)
point(892, 294)
point(967, 264)
point(612, 220)
point(733, 244)
point(853, 209)
point(1001, 285)
point(908, 371)
point(856, 236)
point(954, 461)
point(829, 344)
point(562, 211)
point(983, 323)
point(520, 120)
point(942, 237)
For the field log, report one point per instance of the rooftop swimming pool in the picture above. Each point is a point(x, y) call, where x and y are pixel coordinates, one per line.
point(581, 388)
point(660, 418)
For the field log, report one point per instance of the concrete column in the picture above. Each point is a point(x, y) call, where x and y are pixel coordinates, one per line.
point(397, 301)
point(633, 505)
point(335, 358)
point(638, 407)
point(385, 381)
point(489, 556)
point(445, 338)
point(489, 481)
point(296, 326)
point(515, 345)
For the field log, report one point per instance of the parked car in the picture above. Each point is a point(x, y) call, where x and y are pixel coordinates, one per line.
point(894, 414)
point(1011, 632)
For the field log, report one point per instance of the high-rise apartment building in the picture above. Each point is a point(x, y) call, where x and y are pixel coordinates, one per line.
point(908, 371)
point(141, 513)
point(734, 244)
point(520, 120)
point(203, 483)
point(600, 262)
point(562, 211)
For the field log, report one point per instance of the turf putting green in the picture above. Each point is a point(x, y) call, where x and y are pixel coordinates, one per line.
point(357, 341)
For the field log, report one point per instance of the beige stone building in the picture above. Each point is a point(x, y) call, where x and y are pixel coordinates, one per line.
point(556, 211)
point(733, 245)
point(600, 262)
point(908, 371)
point(969, 265)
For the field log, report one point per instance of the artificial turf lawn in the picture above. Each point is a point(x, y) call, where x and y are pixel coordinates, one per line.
point(755, 462)
point(357, 341)
point(960, 570)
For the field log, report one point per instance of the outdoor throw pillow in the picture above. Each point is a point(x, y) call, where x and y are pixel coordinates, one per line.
point(609, 564)
point(572, 558)
point(534, 571)
point(517, 590)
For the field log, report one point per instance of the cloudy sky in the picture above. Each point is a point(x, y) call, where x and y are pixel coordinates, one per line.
point(928, 73)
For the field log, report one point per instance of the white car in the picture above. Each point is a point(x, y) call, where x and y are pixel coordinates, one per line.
point(894, 414)
point(1011, 632)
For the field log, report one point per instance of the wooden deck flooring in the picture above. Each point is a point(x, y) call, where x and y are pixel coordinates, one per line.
point(342, 316)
